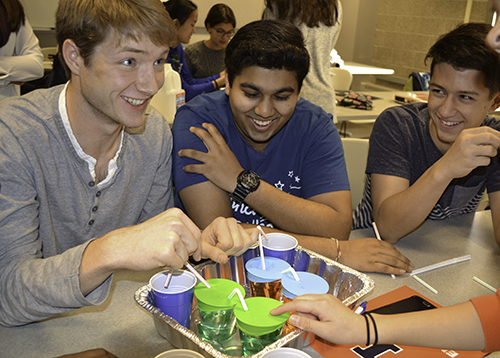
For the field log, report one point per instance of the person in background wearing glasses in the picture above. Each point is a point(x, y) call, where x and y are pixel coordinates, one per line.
point(184, 14)
point(206, 58)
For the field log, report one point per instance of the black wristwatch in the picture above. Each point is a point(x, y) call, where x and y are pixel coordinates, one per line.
point(248, 181)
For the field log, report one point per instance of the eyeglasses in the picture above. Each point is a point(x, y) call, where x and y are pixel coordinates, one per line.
point(223, 33)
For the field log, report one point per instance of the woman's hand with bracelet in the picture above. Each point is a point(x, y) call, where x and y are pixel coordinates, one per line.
point(327, 317)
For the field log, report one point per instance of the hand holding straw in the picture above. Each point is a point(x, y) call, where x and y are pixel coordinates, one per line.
point(380, 239)
point(240, 296)
point(198, 276)
point(261, 250)
point(291, 269)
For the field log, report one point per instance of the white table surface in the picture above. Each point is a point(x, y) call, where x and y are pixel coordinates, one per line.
point(440, 240)
point(127, 330)
point(381, 101)
point(361, 69)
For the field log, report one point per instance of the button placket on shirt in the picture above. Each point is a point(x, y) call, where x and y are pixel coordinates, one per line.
point(95, 204)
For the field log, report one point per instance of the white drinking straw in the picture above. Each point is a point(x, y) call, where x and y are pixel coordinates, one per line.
point(262, 232)
point(481, 282)
point(425, 284)
point(456, 260)
point(291, 269)
point(198, 276)
point(261, 250)
point(380, 239)
point(167, 280)
point(240, 296)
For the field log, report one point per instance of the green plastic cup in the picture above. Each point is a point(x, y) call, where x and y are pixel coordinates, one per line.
point(258, 328)
point(218, 322)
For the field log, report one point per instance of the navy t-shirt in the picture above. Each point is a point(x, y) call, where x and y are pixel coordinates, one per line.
point(305, 158)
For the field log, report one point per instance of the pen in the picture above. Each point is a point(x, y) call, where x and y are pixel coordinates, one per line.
point(361, 308)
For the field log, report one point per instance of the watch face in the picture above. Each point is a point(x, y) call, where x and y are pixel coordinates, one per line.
point(249, 179)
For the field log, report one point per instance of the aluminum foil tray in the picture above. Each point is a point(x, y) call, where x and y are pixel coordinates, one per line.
point(345, 283)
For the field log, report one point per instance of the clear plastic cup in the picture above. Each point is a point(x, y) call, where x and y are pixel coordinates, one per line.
point(265, 283)
point(218, 323)
point(258, 328)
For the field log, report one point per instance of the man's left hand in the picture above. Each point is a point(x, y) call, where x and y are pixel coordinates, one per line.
point(225, 237)
point(219, 164)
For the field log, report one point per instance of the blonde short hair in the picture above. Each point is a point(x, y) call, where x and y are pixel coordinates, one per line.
point(88, 23)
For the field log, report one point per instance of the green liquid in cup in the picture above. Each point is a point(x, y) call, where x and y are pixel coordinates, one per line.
point(254, 344)
point(217, 326)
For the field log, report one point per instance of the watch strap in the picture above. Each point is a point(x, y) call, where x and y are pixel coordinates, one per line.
point(239, 194)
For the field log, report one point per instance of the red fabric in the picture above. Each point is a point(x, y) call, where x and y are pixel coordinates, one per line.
point(488, 309)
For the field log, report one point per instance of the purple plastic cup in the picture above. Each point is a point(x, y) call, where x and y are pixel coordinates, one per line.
point(281, 246)
point(175, 301)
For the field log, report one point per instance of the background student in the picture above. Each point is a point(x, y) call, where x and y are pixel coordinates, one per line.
point(21, 57)
point(206, 58)
point(184, 14)
point(320, 22)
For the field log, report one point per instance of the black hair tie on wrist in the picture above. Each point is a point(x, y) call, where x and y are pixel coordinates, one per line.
point(374, 327)
point(367, 330)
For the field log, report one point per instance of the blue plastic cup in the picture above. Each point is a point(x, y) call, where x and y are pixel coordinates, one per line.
point(176, 300)
point(281, 246)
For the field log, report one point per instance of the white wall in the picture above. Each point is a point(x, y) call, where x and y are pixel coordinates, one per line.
point(41, 13)
point(245, 11)
point(357, 35)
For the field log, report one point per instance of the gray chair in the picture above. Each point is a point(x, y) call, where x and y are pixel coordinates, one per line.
point(356, 155)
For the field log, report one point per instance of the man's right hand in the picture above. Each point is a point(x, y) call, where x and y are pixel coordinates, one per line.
point(166, 240)
point(473, 148)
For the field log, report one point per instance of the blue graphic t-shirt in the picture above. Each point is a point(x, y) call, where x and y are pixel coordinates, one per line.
point(305, 158)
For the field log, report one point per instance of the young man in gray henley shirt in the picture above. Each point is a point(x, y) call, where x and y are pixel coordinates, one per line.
point(85, 172)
